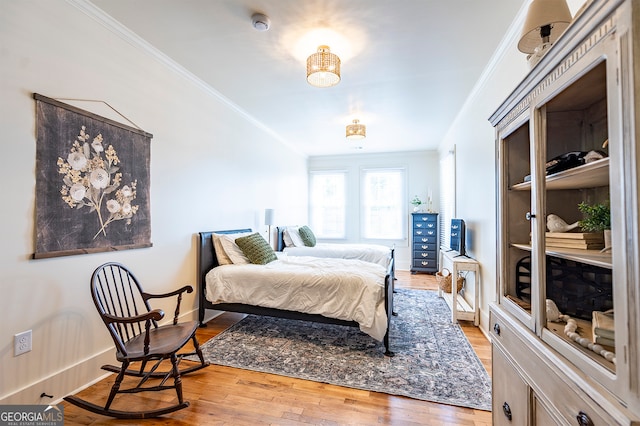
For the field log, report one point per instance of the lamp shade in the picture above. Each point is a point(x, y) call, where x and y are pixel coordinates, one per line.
point(356, 130)
point(550, 15)
point(323, 68)
point(268, 217)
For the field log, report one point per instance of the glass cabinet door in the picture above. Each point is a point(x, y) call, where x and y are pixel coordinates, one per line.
point(514, 214)
point(576, 292)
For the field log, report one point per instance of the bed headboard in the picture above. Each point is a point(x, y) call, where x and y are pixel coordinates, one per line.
point(207, 259)
point(280, 241)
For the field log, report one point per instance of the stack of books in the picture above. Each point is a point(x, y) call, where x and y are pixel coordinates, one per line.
point(575, 240)
point(603, 328)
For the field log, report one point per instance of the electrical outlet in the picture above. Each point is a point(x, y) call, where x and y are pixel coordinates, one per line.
point(21, 343)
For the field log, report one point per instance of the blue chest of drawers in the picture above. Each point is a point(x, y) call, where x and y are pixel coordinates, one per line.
point(424, 252)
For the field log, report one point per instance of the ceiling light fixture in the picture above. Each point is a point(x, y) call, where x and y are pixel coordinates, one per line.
point(323, 68)
point(545, 22)
point(356, 130)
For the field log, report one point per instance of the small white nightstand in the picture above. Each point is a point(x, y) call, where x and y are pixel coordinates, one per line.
point(462, 309)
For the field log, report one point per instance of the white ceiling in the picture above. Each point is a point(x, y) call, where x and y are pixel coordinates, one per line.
point(407, 65)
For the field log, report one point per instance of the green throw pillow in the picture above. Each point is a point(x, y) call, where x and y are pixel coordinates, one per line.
point(307, 236)
point(256, 248)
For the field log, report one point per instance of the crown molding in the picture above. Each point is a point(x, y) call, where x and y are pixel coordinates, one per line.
point(138, 42)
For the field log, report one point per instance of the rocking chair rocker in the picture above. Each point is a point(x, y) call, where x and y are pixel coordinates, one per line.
point(132, 324)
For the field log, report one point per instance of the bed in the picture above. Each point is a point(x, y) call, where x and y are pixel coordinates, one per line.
point(375, 253)
point(258, 275)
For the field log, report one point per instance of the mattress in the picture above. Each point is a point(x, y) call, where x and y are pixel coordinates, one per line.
point(368, 252)
point(346, 289)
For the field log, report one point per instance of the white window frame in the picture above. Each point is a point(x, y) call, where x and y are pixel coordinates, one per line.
point(401, 206)
point(318, 229)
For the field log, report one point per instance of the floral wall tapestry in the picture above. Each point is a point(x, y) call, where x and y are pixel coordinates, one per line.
point(92, 182)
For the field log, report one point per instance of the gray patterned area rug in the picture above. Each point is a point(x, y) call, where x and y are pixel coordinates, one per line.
point(433, 359)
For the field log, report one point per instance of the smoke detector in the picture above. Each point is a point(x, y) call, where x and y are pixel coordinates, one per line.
point(260, 22)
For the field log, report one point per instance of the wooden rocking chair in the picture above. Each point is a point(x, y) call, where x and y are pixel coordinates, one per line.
point(125, 310)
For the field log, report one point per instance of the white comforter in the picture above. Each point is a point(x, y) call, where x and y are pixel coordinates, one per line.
point(345, 289)
point(368, 252)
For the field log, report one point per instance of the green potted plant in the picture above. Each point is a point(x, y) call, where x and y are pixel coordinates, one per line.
point(597, 219)
point(416, 202)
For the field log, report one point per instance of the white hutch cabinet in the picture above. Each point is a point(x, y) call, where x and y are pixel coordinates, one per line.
point(582, 96)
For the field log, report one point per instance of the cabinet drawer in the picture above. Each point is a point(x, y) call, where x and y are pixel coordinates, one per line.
point(418, 232)
point(425, 263)
point(425, 225)
point(421, 255)
point(425, 218)
point(425, 246)
point(422, 239)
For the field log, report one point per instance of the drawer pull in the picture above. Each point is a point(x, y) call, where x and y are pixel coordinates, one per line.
point(496, 328)
point(418, 225)
point(584, 419)
point(425, 247)
point(418, 232)
point(507, 411)
point(424, 254)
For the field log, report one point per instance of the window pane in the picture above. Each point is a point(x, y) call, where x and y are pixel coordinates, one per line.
point(384, 209)
point(328, 209)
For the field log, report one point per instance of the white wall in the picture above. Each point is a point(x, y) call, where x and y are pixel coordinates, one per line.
point(422, 174)
point(211, 168)
point(474, 140)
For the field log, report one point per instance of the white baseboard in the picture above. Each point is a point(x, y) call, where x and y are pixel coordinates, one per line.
point(76, 377)
point(62, 383)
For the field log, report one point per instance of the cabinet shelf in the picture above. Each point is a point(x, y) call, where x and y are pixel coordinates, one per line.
point(589, 257)
point(591, 175)
point(557, 328)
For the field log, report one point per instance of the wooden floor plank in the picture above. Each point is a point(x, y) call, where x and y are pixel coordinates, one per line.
point(230, 396)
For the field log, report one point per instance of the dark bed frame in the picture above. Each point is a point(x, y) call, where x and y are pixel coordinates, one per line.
point(207, 260)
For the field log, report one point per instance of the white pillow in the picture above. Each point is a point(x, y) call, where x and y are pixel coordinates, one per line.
point(292, 234)
point(287, 238)
point(221, 255)
point(227, 251)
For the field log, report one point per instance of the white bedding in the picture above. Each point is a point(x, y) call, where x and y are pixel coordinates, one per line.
point(345, 289)
point(368, 252)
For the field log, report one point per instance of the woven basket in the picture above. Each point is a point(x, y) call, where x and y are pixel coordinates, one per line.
point(444, 281)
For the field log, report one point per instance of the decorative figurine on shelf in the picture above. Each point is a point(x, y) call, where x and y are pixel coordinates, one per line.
point(571, 331)
point(556, 224)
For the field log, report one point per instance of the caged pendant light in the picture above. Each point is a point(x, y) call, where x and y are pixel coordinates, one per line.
point(356, 130)
point(323, 68)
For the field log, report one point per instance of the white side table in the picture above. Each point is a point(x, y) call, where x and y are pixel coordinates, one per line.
point(461, 308)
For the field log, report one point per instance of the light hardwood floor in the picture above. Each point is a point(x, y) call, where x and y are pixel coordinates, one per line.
point(229, 396)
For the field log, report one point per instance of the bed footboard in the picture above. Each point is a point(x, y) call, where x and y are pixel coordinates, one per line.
point(388, 304)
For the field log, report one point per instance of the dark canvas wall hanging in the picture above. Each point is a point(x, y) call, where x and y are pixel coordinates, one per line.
point(92, 182)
